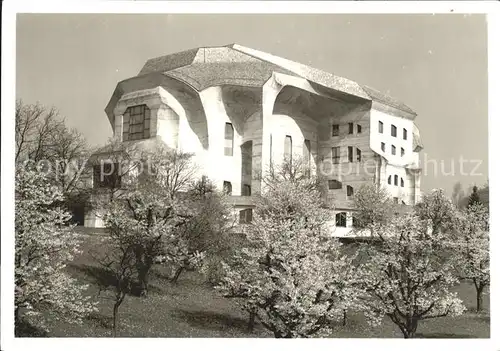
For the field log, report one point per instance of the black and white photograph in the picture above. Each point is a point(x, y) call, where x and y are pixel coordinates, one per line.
point(169, 174)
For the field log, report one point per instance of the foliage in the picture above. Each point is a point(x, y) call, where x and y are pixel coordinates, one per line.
point(43, 140)
point(291, 275)
point(407, 276)
point(474, 198)
point(147, 210)
point(207, 228)
point(472, 248)
point(373, 205)
point(437, 210)
point(43, 246)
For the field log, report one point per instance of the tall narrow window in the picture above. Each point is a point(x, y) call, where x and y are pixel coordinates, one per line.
point(341, 219)
point(334, 184)
point(107, 175)
point(336, 154)
point(351, 128)
point(389, 180)
point(307, 156)
point(349, 153)
point(380, 127)
point(350, 190)
point(246, 216)
point(136, 123)
point(402, 183)
point(393, 148)
point(402, 152)
point(394, 131)
point(271, 149)
point(359, 129)
point(246, 190)
point(288, 148)
point(405, 134)
point(382, 147)
point(229, 140)
point(227, 188)
point(396, 179)
point(335, 130)
point(358, 155)
point(396, 200)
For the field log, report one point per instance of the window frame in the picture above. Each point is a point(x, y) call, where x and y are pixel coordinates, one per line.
point(131, 121)
point(335, 155)
point(394, 131)
point(334, 181)
point(228, 150)
point(335, 130)
point(381, 127)
point(351, 128)
point(341, 219)
point(393, 149)
point(350, 154)
point(349, 190)
point(405, 134)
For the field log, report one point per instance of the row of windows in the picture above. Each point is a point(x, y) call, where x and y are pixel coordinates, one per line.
point(394, 130)
point(336, 129)
point(393, 149)
point(396, 178)
point(227, 187)
point(334, 184)
point(350, 154)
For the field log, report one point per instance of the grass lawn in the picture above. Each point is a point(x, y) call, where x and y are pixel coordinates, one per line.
point(191, 308)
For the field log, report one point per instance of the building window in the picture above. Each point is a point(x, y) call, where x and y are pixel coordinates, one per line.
point(288, 148)
point(405, 134)
point(229, 140)
point(136, 123)
point(271, 149)
point(395, 200)
point(382, 146)
point(389, 180)
point(227, 188)
point(358, 155)
point(341, 219)
point(394, 131)
point(246, 190)
point(380, 127)
point(336, 154)
point(246, 216)
point(395, 180)
point(349, 153)
point(351, 128)
point(334, 184)
point(307, 156)
point(356, 222)
point(335, 130)
point(402, 152)
point(393, 150)
point(107, 175)
point(402, 183)
point(350, 190)
point(359, 129)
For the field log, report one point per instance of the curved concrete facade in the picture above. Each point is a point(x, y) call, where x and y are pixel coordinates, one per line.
point(266, 99)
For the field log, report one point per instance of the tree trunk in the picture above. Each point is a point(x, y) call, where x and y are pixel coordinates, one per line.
point(479, 297)
point(143, 280)
point(177, 274)
point(115, 317)
point(120, 297)
point(251, 321)
point(344, 319)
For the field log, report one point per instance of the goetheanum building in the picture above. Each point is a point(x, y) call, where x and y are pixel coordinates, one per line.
point(239, 110)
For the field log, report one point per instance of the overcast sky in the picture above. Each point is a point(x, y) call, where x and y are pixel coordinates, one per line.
point(436, 64)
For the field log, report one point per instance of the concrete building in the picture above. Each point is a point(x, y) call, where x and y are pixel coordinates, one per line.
point(238, 109)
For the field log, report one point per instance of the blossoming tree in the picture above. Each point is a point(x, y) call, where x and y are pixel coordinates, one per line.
point(291, 274)
point(44, 244)
point(473, 248)
point(406, 275)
